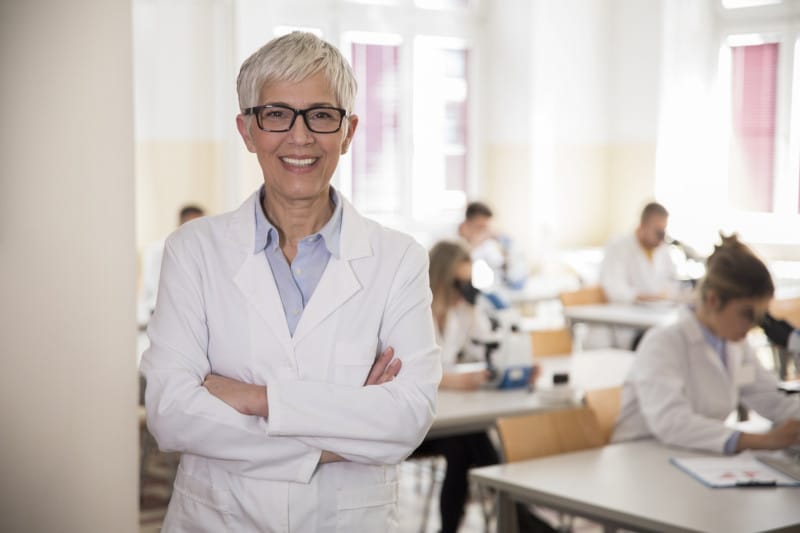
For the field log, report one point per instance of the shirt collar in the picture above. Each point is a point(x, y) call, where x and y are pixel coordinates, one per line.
point(717, 343)
point(267, 233)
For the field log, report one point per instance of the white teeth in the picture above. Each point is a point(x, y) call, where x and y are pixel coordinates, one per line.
point(298, 162)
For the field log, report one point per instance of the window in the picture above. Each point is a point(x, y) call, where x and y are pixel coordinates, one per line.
point(440, 119)
point(759, 80)
point(752, 146)
point(375, 176)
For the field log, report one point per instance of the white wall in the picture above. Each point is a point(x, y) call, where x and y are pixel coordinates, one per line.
point(546, 140)
point(577, 163)
point(634, 88)
point(67, 268)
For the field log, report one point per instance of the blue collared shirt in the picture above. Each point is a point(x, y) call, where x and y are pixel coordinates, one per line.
point(720, 348)
point(296, 282)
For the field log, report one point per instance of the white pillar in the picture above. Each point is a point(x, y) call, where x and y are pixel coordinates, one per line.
point(68, 384)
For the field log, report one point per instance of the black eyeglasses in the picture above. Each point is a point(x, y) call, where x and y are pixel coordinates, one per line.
point(278, 118)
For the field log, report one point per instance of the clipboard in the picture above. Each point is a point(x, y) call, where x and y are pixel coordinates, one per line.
point(743, 470)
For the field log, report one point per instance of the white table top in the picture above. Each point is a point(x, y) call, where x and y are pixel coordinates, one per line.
point(590, 369)
point(466, 411)
point(633, 485)
point(629, 315)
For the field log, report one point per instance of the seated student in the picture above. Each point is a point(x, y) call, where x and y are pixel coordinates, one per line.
point(458, 321)
point(689, 376)
point(496, 250)
point(637, 267)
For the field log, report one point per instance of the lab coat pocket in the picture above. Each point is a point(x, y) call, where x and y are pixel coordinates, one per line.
point(367, 508)
point(197, 506)
point(352, 362)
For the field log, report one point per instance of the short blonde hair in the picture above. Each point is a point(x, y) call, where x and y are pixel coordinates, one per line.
point(295, 57)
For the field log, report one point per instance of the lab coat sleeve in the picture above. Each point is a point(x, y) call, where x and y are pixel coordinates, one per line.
point(762, 394)
point(377, 424)
point(181, 414)
point(613, 277)
point(659, 379)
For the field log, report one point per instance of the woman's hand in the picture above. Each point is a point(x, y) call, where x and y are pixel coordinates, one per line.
point(384, 369)
point(246, 398)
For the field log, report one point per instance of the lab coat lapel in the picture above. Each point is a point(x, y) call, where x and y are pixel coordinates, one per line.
point(256, 283)
point(254, 277)
point(699, 344)
point(339, 282)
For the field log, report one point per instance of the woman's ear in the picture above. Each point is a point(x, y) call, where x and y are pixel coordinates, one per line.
point(352, 124)
point(711, 300)
point(242, 124)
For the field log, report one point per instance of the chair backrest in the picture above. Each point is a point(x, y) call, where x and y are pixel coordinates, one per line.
point(788, 309)
point(546, 342)
point(605, 404)
point(549, 433)
point(585, 296)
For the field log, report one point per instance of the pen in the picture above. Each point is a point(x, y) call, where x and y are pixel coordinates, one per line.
point(756, 483)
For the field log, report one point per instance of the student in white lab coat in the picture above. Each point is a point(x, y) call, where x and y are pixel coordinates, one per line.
point(459, 322)
point(637, 267)
point(293, 360)
point(151, 266)
point(689, 376)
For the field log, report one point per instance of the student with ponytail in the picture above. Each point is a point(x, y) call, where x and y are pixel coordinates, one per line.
point(690, 375)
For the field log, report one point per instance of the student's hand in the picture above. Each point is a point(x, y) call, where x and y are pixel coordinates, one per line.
point(535, 373)
point(465, 380)
point(777, 331)
point(384, 369)
point(784, 435)
point(246, 398)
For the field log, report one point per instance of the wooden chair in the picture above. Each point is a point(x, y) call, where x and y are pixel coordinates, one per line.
point(585, 296)
point(590, 295)
point(788, 309)
point(548, 342)
point(549, 433)
point(605, 404)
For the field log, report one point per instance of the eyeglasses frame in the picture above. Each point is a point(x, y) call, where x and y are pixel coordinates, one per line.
point(257, 109)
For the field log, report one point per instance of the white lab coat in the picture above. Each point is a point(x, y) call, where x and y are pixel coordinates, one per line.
point(679, 391)
point(219, 311)
point(462, 324)
point(626, 271)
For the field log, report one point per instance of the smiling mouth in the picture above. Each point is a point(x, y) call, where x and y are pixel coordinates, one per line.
point(300, 163)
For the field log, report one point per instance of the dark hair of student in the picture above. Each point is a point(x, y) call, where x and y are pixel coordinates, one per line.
point(188, 211)
point(653, 209)
point(477, 209)
point(734, 271)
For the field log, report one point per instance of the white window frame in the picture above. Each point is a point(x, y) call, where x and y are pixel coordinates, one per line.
point(763, 24)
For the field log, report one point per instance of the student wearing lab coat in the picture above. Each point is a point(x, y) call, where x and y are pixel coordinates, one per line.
point(459, 322)
point(637, 267)
point(293, 360)
point(689, 376)
point(151, 266)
